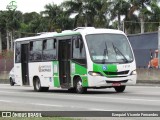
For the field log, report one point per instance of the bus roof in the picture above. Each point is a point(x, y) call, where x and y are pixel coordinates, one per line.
point(80, 30)
point(47, 35)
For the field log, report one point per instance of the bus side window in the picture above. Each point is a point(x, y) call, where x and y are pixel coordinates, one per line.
point(35, 51)
point(44, 44)
point(18, 53)
point(50, 52)
point(75, 48)
point(78, 50)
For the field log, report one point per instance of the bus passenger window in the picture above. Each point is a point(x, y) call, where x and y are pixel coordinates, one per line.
point(35, 51)
point(18, 53)
point(78, 52)
point(50, 52)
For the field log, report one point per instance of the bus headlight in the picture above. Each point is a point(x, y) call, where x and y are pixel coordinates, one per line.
point(94, 73)
point(134, 72)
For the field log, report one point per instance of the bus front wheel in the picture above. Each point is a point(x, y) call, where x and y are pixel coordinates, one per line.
point(120, 88)
point(38, 87)
point(79, 88)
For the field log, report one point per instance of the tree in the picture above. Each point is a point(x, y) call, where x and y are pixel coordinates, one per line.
point(2, 28)
point(96, 12)
point(118, 8)
point(131, 24)
point(141, 6)
point(77, 7)
point(154, 17)
point(89, 12)
point(51, 13)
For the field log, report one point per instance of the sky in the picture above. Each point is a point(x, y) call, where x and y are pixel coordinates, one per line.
point(29, 5)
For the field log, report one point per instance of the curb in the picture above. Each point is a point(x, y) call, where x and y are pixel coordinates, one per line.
point(155, 83)
point(148, 82)
point(4, 81)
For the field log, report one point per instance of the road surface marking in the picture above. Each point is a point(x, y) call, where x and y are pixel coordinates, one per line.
point(47, 105)
point(5, 101)
point(96, 109)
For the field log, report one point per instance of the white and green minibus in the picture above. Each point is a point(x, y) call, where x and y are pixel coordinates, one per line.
point(76, 60)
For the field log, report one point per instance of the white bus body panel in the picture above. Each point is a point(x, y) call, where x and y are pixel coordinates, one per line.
point(18, 73)
point(43, 70)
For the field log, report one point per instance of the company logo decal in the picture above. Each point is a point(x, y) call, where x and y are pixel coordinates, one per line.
point(45, 68)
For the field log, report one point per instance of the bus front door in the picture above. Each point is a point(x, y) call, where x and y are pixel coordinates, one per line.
point(24, 61)
point(64, 56)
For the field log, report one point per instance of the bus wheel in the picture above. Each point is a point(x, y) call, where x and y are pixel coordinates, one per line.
point(11, 82)
point(37, 86)
point(120, 88)
point(79, 88)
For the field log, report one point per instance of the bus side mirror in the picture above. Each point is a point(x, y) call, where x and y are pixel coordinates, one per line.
point(77, 43)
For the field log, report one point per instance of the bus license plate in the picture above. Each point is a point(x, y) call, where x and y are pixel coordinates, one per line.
point(116, 84)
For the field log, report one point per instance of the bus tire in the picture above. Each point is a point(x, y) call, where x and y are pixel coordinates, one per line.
point(120, 88)
point(79, 88)
point(11, 82)
point(38, 87)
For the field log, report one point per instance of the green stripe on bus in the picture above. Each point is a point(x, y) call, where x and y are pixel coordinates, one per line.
point(84, 81)
point(111, 68)
point(77, 69)
point(56, 82)
point(104, 68)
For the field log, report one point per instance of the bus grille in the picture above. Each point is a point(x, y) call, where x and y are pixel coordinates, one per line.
point(123, 81)
point(116, 73)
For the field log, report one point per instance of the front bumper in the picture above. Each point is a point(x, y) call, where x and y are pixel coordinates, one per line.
point(101, 81)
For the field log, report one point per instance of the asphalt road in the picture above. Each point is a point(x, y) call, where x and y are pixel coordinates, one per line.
point(135, 98)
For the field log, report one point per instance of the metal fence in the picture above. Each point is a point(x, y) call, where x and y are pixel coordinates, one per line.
point(142, 45)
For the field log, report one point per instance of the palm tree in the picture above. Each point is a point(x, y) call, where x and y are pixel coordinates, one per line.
point(118, 8)
point(53, 13)
point(57, 17)
point(98, 10)
point(154, 17)
point(141, 6)
point(89, 12)
point(2, 28)
point(75, 7)
point(131, 24)
point(13, 20)
point(64, 22)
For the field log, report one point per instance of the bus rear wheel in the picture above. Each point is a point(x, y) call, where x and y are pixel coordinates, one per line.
point(120, 88)
point(79, 88)
point(38, 87)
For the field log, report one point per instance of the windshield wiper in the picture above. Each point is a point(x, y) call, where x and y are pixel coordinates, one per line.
point(119, 52)
point(105, 53)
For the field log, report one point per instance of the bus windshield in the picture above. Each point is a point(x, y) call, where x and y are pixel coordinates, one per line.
point(109, 48)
